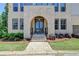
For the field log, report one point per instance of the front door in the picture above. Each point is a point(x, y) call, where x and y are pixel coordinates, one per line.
point(39, 26)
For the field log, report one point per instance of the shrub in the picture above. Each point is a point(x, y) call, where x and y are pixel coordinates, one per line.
point(12, 36)
point(51, 37)
point(72, 35)
point(75, 36)
point(56, 35)
point(19, 35)
point(60, 36)
point(1, 35)
point(16, 36)
point(5, 36)
point(67, 36)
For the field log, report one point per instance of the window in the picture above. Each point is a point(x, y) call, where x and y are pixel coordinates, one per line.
point(28, 4)
point(56, 24)
point(42, 4)
point(22, 7)
point(15, 7)
point(63, 7)
point(63, 23)
point(15, 23)
point(21, 23)
point(38, 4)
point(56, 5)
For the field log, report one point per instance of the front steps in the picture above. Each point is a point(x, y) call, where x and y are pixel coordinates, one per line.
point(39, 38)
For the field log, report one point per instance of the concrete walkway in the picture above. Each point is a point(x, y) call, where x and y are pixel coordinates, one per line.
point(39, 48)
point(38, 38)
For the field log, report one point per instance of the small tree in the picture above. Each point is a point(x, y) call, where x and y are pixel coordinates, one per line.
point(4, 25)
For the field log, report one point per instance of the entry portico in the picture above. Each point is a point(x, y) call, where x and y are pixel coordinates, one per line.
point(38, 20)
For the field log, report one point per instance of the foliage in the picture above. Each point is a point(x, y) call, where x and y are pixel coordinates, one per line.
point(12, 36)
point(5, 16)
point(19, 35)
point(3, 21)
point(5, 35)
point(4, 27)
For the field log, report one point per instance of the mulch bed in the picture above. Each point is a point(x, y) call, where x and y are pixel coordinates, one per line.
point(57, 39)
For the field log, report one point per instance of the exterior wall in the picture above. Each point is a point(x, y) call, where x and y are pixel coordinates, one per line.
point(48, 13)
point(11, 15)
point(66, 15)
point(75, 14)
point(75, 20)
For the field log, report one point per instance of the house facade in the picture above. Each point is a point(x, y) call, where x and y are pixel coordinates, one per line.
point(43, 18)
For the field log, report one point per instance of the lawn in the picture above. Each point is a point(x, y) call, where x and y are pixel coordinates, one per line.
point(71, 44)
point(12, 46)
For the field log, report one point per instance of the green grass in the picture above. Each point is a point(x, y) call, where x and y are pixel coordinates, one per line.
point(71, 44)
point(12, 46)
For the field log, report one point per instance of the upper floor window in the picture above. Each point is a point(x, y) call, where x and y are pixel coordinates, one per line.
point(42, 4)
point(21, 23)
point(56, 24)
point(56, 5)
point(22, 7)
point(63, 7)
point(39, 4)
point(63, 24)
point(14, 23)
point(15, 7)
point(28, 4)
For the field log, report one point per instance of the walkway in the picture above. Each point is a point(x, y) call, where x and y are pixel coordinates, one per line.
point(38, 45)
point(38, 38)
point(39, 48)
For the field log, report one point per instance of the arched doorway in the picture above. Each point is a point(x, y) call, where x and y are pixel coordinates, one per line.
point(39, 25)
